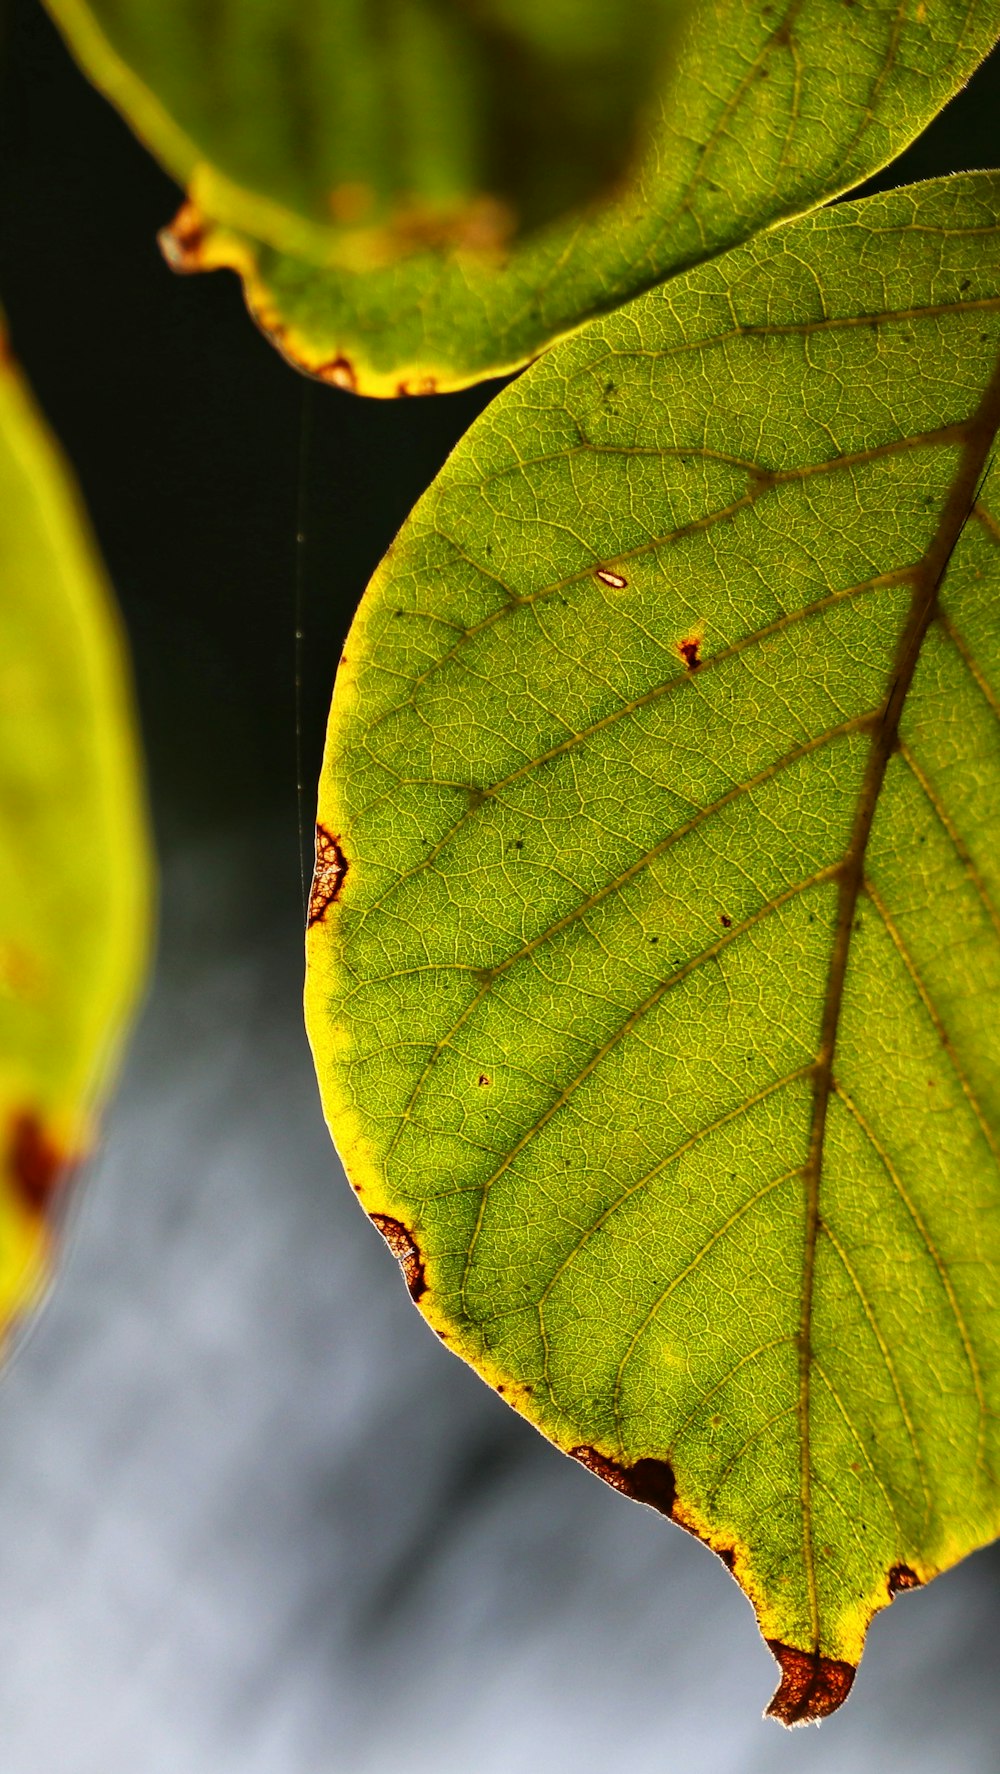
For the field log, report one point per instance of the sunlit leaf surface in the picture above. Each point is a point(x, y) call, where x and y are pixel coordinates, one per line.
point(367, 193)
point(654, 954)
point(73, 865)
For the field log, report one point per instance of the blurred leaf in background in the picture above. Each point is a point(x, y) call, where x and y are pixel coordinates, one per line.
point(390, 179)
point(654, 957)
point(308, 121)
point(74, 868)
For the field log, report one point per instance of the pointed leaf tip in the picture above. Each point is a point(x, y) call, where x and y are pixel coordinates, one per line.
point(811, 1686)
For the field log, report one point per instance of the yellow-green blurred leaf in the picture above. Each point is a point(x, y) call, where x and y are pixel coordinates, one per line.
point(654, 956)
point(362, 164)
point(73, 859)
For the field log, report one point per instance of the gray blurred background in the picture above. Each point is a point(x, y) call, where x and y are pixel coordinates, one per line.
point(254, 1519)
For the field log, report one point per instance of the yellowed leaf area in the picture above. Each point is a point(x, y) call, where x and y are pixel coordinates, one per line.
point(74, 871)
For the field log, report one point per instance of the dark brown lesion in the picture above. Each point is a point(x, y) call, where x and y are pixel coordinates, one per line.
point(902, 1577)
point(416, 385)
point(338, 371)
point(652, 1482)
point(34, 1167)
point(811, 1686)
point(328, 875)
point(405, 1251)
point(646, 1481)
point(690, 651)
point(182, 243)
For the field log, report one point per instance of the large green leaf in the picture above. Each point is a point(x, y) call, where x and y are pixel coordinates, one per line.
point(73, 863)
point(312, 121)
point(653, 957)
point(268, 120)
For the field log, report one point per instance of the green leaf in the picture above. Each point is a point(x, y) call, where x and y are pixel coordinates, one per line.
point(385, 116)
point(768, 110)
point(654, 951)
point(73, 861)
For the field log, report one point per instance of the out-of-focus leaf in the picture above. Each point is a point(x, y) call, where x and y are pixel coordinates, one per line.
point(73, 858)
point(305, 120)
point(654, 951)
point(360, 164)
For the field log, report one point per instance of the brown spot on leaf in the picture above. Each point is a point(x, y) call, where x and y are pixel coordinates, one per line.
point(903, 1577)
point(616, 581)
point(484, 1078)
point(727, 923)
point(690, 651)
point(405, 1252)
point(182, 241)
point(646, 1481)
point(339, 372)
point(418, 385)
point(811, 1686)
point(34, 1165)
point(328, 875)
point(351, 202)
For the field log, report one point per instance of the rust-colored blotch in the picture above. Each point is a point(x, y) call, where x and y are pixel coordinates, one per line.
point(811, 1686)
point(338, 371)
point(405, 1251)
point(181, 243)
point(903, 1577)
point(646, 1481)
point(416, 385)
point(34, 1165)
point(328, 875)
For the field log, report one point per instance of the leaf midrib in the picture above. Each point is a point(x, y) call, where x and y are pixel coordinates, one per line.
point(977, 436)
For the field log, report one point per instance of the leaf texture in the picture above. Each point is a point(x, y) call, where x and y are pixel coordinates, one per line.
point(655, 961)
point(73, 856)
point(767, 110)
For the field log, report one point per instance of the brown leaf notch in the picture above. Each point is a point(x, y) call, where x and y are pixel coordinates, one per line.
point(328, 875)
point(405, 1252)
point(183, 241)
point(34, 1167)
point(811, 1686)
point(339, 372)
point(902, 1577)
point(646, 1481)
point(651, 1482)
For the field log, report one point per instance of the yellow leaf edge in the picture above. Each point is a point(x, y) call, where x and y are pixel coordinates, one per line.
point(812, 1684)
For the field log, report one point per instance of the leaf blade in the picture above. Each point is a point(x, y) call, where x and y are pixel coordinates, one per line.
point(766, 113)
point(571, 1014)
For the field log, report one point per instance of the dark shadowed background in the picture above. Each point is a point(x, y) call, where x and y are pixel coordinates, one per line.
point(254, 1519)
